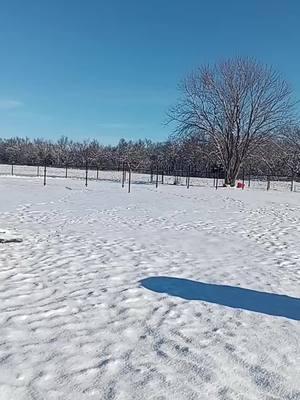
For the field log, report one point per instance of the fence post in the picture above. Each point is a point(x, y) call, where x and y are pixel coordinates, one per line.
point(12, 168)
point(129, 180)
point(66, 171)
point(243, 178)
point(249, 179)
point(38, 171)
point(292, 183)
point(268, 182)
point(176, 177)
point(188, 177)
point(151, 175)
point(123, 174)
point(156, 183)
point(45, 174)
point(86, 173)
point(162, 177)
point(98, 172)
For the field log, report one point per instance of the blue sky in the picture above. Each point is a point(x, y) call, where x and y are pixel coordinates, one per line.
point(109, 69)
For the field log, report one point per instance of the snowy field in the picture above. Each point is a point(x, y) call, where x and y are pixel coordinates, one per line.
point(167, 294)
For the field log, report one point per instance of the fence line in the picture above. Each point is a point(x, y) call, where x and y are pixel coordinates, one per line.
point(158, 176)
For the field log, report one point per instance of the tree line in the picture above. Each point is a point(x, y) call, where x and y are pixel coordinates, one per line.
point(233, 116)
point(277, 156)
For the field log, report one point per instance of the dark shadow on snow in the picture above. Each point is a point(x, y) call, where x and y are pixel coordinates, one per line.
point(230, 296)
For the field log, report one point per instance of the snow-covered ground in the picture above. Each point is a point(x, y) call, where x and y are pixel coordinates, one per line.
point(158, 294)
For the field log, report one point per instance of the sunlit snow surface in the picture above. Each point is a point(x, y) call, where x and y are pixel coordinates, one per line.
point(164, 293)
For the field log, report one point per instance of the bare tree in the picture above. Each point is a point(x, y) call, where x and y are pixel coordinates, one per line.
point(291, 147)
point(292, 135)
point(236, 104)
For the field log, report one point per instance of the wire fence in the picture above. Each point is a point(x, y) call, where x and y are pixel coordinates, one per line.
point(154, 176)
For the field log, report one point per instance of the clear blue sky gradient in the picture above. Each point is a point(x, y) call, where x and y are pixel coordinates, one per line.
point(109, 69)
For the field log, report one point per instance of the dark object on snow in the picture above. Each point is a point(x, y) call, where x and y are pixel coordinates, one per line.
point(11, 240)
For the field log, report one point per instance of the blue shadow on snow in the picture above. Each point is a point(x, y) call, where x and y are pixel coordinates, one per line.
point(266, 303)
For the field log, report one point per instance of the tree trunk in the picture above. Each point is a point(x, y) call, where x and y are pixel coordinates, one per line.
point(231, 173)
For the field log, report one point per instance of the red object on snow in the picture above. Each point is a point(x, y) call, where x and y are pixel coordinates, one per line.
point(240, 185)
